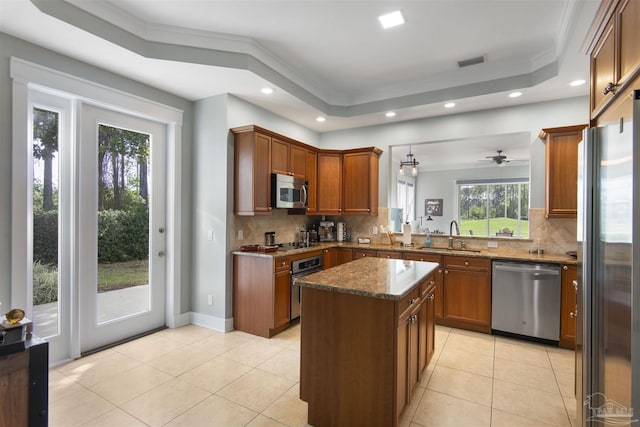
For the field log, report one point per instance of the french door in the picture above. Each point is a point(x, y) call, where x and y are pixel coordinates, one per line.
point(120, 188)
point(97, 207)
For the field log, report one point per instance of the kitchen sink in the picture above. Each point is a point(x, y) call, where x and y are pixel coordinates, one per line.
point(447, 250)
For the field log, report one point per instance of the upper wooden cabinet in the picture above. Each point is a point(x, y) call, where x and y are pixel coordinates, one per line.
point(360, 188)
point(252, 172)
point(312, 181)
point(288, 158)
point(614, 50)
point(561, 170)
point(348, 182)
point(339, 181)
point(329, 190)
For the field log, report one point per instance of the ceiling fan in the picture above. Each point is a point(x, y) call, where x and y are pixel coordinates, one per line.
point(499, 159)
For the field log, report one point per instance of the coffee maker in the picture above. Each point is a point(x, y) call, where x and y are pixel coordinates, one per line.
point(326, 231)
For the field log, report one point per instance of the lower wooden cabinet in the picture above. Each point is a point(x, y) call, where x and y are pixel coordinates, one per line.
point(416, 343)
point(336, 256)
point(467, 293)
point(438, 277)
point(261, 294)
point(342, 383)
point(568, 307)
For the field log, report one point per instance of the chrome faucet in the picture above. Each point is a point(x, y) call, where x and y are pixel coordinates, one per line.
point(450, 246)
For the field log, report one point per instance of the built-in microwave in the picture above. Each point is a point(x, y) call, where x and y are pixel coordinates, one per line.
point(288, 192)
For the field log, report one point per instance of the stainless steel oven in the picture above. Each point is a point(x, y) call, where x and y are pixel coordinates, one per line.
point(302, 268)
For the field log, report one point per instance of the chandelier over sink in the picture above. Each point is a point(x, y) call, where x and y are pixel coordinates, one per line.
point(413, 163)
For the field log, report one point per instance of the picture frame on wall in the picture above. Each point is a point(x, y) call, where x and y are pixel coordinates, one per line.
point(433, 207)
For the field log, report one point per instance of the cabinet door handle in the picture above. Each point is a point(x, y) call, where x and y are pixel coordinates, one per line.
point(431, 297)
point(466, 263)
point(432, 282)
point(565, 268)
point(575, 284)
point(440, 270)
point(413, 319)
point(413, 301)
point(446, 272)
point(573, 314)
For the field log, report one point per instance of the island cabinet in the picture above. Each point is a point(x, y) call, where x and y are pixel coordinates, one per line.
point(568, 307)
point(467, 293)
point(561, 170)
point(288, 158)
point(615, 52)
point(261, 294)
point(364, 345)
point(438, 277)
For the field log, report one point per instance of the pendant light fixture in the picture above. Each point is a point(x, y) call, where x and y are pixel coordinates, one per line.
point(413, 163)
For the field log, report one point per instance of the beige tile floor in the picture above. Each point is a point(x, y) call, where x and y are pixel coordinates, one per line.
point(194, 376)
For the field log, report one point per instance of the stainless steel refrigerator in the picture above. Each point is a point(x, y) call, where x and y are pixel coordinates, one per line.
point(608, 303)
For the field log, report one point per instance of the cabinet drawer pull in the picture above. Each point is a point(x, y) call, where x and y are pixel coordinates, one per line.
point(466, 263)
point(446, 272)
point(575, 284)
point(413, 319)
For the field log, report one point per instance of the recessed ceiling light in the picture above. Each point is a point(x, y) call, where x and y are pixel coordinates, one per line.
point(320, 119)
point(449, 105)
point(390, 114)
point(578, 82)
point(515, 94)
point(267, 90)
point(391, 19)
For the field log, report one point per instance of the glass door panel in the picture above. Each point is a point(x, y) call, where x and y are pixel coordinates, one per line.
point(45, 196)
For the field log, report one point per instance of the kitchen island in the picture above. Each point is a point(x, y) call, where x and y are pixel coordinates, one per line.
point(367, 334)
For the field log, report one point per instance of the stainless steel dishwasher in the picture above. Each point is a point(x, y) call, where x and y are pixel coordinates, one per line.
point(525, 299)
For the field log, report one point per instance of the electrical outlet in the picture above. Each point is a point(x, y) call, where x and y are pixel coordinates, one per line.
point(210, 235)
point(240, 235)
point(210, 299)
point(374, 230)
point(492, 244)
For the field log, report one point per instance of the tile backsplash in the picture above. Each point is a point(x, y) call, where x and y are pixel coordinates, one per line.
point(555, 235)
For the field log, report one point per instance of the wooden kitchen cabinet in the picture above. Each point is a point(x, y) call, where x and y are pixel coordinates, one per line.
point(389, 254)
point(336, 256)
point(288, 158)
point(568, 307)
point(361, 253)
point(615, 52)
point(427, 323)
point(329, 190)
point(467, 293)
point(261, 294)
point(311, 159)
point(561, 170)
point(360, 181)
point(252, 172)
point(438, 277)
point(24, 379)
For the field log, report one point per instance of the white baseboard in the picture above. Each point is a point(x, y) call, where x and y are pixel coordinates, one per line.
point(179, 320)
point(212, 322)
